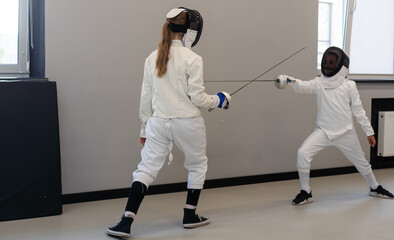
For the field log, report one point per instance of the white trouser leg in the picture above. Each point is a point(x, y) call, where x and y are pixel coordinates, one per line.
point(154, 152)
point(189, 135)
point(316, 142)
point(349, 144)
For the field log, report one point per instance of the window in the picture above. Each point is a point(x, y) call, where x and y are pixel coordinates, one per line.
point(14, 44)
point(332, 24)
point(372, 37)
point(364, 29)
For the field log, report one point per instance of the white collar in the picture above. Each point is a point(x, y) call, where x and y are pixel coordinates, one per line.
point(177, 43)
point(336, 80)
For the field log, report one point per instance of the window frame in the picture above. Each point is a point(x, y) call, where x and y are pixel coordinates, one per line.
point(21, 69)
point(352, 7)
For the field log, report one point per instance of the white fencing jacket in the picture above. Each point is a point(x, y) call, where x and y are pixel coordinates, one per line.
point(177, 94)
point(337, 100)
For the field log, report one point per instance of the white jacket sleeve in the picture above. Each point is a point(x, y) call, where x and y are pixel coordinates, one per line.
point(146, 98)
point(300, 86)
point(358, 110)
point(196, 89)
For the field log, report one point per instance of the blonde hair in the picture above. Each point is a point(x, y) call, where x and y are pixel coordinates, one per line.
point(163, 54)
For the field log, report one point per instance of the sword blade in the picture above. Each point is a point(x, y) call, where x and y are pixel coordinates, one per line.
point(267, 71)
point(240, 81)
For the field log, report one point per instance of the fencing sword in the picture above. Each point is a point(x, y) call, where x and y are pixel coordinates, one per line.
point(267, 80)
point(267, 72)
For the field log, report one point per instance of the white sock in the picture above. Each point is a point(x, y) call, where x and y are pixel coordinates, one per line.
point(304, 180)
point(129, 214)
point(188, 206)
point(371, 180)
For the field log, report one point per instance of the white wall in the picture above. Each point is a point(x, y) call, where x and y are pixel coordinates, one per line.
point(95, 50)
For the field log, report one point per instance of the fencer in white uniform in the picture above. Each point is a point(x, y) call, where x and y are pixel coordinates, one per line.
point(337, 100)
point(171, 97)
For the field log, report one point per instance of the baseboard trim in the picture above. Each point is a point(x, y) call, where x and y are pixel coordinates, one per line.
point(214, 183)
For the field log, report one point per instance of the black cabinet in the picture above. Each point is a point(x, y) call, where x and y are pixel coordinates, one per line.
point(30, 175)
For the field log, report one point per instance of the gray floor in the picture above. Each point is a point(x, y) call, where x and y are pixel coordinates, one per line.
point(341, 209)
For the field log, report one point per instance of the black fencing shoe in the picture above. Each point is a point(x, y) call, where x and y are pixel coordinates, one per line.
point(122, 229)
point(380, 192)
point(192, 220)
point(302, 198)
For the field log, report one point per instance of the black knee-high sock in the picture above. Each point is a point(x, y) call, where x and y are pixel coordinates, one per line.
point(136, 195)
point(192, 196)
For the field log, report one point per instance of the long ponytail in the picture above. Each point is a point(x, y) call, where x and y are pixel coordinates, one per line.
point(164, 50)
point(163, 54)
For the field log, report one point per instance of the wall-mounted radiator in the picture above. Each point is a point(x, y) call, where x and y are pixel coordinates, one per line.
point(386, 134)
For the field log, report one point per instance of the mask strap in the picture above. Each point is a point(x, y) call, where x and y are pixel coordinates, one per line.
point(178, 27)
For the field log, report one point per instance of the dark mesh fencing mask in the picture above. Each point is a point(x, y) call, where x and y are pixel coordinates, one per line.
point(192, 30)
point(333, 60)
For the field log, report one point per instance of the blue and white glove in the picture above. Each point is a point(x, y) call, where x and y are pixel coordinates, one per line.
point(282, 81)
point(221, 100)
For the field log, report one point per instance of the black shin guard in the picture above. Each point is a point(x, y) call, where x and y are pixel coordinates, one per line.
point(192, 196)
point(136, 195)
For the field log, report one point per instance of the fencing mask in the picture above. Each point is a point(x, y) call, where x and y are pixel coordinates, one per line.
point(333, 60)
point(192, 29)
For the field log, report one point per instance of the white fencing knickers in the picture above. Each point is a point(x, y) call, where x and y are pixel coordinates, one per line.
point(348, 143)
point(189, 135)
